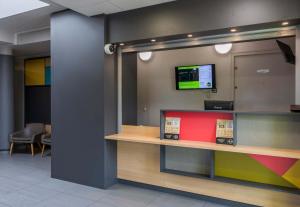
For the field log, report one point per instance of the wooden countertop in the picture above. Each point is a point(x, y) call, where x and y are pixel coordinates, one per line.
point(148, 139)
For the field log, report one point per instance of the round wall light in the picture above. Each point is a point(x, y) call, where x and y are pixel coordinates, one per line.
point(223, 48)
point(145, 56)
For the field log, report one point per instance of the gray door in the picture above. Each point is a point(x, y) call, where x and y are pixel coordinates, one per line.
point(264, 82)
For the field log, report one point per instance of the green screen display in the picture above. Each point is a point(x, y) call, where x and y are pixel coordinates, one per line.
point(195, 77)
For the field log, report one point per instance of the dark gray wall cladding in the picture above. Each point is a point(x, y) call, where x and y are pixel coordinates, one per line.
point(83, 101)
point(129, 88)
point(110, 117)
point(6, 100)
point(185, 16)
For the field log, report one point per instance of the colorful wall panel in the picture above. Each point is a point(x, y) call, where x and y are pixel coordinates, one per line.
point(37, 72)
point(48, 75)
point(293, 174)
point(258, 168)
point(199, 126)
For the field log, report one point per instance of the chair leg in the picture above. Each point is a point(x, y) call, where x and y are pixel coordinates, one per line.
point(43, 150)
point(11, 148)
point(32, 150)
point(40, 146)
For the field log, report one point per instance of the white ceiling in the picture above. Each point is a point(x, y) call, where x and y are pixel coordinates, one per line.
point(94, 7)
point(14, 7)
point(39, 19)
point(27, 21)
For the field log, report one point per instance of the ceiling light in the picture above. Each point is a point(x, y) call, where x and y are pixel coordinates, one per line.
point(122, 44)
point(285, 23)
point(14, 7)
point(145, 56)
point(153, 40)
point(189, 35)
point(223, 48)
point(233, 30)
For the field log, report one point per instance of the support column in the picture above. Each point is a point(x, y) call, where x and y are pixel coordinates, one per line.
point(6, 99)
point(83, 101)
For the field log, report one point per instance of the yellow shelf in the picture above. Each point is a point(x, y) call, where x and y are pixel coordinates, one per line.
point(139, 138)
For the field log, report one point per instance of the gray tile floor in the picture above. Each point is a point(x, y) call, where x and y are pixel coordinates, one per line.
point(25, 182)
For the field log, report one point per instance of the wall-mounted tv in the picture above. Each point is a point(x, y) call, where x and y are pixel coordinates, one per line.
point(192, 77)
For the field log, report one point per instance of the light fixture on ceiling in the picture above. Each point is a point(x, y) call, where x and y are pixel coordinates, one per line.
point(14, 7)
point(233, 30)
point(153, 40)
point(285, 23)
point(145, 56)
point(223, 48)
point(189, 35)
point(122, 44)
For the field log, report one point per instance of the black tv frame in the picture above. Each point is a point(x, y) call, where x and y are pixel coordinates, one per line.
point(213, 78)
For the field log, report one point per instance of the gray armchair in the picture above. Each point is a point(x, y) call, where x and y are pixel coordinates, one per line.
point(30, 135)
point(46, 139)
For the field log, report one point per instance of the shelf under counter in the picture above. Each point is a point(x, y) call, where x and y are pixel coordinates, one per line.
point(268, 151)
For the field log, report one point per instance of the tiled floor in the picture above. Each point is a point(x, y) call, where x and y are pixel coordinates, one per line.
point(26, 182)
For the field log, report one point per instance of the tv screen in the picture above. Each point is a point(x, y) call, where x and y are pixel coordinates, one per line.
point(195, 77)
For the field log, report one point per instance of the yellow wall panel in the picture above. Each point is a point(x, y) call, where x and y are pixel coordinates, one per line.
point(35, 72)
point(293, 174)
point(242, 167)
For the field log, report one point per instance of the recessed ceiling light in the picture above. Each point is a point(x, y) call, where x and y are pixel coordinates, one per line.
point(153, 40)
point(189, 35)
point(233, 30)
point(285, 23)
point(122, 44)
point(14, 7)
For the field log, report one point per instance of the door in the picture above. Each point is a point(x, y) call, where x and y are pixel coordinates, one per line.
point(264, 82)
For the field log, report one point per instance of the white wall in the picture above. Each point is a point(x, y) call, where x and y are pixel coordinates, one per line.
point(33, 36)
point(5, 50)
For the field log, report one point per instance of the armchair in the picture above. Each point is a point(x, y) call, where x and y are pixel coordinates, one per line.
point(30, 135)
point(46, 138)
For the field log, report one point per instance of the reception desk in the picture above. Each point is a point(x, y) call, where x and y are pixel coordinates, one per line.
point(140, 160)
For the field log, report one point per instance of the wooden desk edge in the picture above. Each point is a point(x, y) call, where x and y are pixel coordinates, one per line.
point(275, 152)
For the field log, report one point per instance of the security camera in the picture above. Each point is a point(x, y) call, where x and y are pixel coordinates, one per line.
point(109, 49)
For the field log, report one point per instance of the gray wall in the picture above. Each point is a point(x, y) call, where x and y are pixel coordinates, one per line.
point(156, 82)
point(129, 88)
point(156, 91)
point(186, 16)
point(83, 101)
point(297, 79)
point(6, 100)
point(156, 78)
point(277, 131)
point(110, 119)
point(19, 96)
